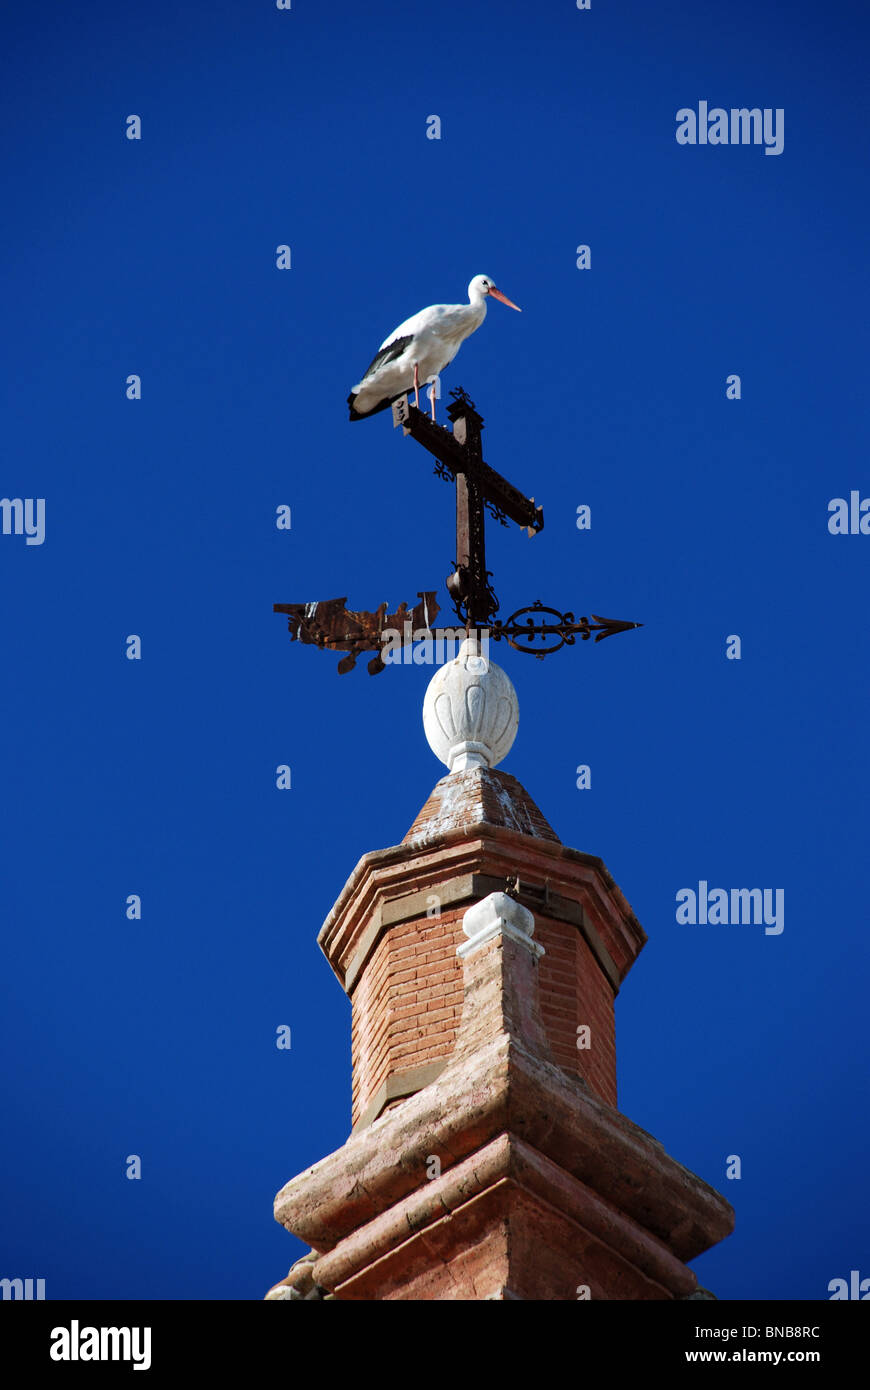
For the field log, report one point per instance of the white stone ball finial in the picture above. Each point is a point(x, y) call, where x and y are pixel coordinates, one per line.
point(471, 713)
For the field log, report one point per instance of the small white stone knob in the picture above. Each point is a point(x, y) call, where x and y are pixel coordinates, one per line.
point(471, 713)
point(498, 915)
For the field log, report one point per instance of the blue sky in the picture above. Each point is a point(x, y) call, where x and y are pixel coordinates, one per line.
point(709, 518)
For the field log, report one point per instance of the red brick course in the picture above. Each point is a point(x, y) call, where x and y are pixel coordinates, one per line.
point(408, 1000)
point(404, 978)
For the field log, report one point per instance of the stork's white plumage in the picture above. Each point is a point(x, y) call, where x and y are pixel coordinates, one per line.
point(420, 348)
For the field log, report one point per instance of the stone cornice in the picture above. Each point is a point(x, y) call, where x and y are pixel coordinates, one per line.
point(392, 885)
point(502, 1088)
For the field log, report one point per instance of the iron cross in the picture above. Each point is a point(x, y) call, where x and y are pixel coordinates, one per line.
point(460, 456)
point(535, 629)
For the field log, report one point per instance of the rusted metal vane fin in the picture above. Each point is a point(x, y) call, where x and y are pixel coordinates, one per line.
point(328, 623)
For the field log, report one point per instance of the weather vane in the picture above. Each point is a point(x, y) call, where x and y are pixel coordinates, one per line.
point(413, 354)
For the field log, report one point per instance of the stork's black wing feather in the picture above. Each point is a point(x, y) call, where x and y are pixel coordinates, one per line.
point(387, 354)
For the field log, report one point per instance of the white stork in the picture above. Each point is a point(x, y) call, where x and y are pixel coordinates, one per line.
point(420, 348)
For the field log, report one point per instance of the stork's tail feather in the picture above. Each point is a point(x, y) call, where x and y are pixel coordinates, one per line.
point(364, 415)
point(354, 414)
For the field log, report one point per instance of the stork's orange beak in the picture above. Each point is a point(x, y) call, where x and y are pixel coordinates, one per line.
point(503, 299)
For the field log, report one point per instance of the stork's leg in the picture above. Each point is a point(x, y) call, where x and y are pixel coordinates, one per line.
point(416, 388)
point(432, 398)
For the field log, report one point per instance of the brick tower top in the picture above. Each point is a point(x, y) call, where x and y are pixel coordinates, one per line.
point(487, 1158)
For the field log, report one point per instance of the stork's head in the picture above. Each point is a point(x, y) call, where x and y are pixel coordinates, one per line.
point(483, 285)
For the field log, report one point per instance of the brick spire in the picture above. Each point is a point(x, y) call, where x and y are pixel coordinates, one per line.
point(488, 1159)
